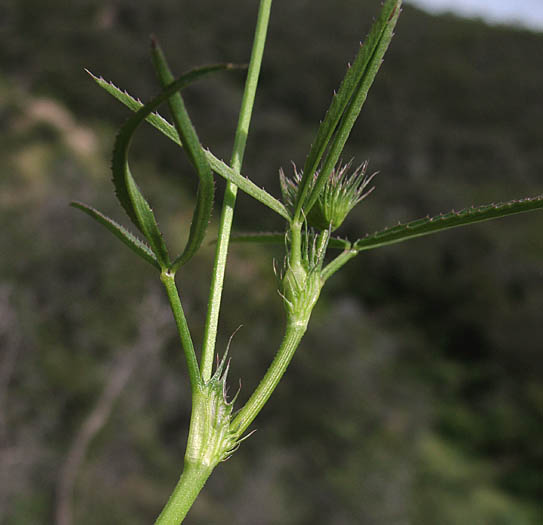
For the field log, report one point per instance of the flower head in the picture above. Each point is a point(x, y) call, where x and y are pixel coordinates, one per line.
point(341, 193)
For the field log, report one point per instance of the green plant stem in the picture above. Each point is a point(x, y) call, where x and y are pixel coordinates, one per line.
point(295, 255)
point(168, 279)
point(227, 214)
point(338, 262)
point(291, 340)
point(187, 489)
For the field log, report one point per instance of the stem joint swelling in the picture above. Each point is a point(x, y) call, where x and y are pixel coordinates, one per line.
point(210, 441)
point(210, 438)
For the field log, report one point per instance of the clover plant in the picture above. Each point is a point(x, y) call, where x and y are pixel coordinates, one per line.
point(315, 201)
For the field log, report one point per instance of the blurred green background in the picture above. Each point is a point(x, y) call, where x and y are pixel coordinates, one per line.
point(416, 396)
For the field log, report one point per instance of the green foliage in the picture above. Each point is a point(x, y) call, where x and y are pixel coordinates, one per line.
point(341, 193)
point(345, 107)
point(212, 433)
point(416, 228)
point(428, 225)
point(126, 189)
point(217, 165)
point(196, 154)
point(139, 247)
point(447, 342)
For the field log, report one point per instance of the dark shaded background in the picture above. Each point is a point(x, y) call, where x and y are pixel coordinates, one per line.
point(416, 397)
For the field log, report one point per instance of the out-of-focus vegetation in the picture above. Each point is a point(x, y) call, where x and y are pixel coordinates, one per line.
point(416, 396)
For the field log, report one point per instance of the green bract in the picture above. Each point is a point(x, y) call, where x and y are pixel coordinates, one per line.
point(302, 280)
point(211, 439)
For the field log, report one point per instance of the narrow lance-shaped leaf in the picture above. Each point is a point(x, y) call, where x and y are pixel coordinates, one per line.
point(353, 86)
point(145, 218)
point(428, 225)
point(139, 247)
point(196, 154)
point(217, 165)
point(379, 38)
point(134, 104)
point(248, 186)
point(126, 188)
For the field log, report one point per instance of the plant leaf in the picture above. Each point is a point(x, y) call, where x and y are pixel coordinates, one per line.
point(247, 185)
point(139, 247)
point(146, 218)
point(428, 225)
point(278, 238)
point(126, 188)
point(217, 165)
point(154, 118)
point(196, 154)
point(371, 56)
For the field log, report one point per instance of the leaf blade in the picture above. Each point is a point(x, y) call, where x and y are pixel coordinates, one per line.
point(429, 225)
point(135, 244)
point(146, 219)
point(126, 189)
point(217, 165)
point(351, 87)
point(134, 104)
point(377, 44)
point(246, 185)
point(195, 152)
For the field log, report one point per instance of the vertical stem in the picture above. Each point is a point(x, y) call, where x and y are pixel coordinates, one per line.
point(168, 279)
point(187, 489)
point(230, 193)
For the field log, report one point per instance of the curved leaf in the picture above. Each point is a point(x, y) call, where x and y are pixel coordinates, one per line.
point(126, 188)
point(217, 165)
point(196, 154)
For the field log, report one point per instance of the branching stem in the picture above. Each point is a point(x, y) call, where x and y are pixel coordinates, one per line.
point(195, 473)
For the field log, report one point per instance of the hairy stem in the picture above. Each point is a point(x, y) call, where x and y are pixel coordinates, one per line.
point(227, 215)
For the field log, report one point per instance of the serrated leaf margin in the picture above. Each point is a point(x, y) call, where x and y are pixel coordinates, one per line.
point(135, 244)
point(453, 219)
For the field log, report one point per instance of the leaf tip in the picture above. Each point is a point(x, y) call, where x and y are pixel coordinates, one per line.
point(91, 74)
